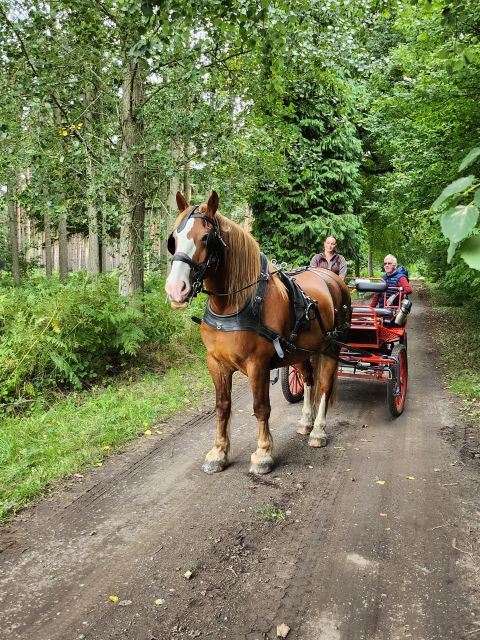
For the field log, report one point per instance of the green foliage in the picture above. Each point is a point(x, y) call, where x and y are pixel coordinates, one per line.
point(69, 335)
point(421, 115)
point(318, 193)
point(459, 221)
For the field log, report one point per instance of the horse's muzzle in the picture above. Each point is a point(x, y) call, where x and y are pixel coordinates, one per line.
point(178, 305)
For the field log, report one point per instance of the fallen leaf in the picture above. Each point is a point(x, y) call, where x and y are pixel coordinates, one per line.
point(188, 574)
point(124, 603)
point(106, 447)
point(310, 466)
point(383, 515)
point(410, 477)
point(380, 481)
point(340, 448)
point(160, 601)
point(282, 630)
point(387, 528)
point(159, 433)
point(113, 598)
point(148, 432)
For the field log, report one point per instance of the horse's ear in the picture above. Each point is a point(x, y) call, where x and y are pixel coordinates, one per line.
point(212, 204)
point(182, 203)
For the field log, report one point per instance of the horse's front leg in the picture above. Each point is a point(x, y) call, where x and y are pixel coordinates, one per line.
point(217, 458)
point(259, 378)
point(325, 385)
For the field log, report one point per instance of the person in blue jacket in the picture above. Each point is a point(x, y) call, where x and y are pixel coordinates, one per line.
point(395, 276)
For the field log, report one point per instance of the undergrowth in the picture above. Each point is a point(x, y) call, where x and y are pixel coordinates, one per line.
point(458, 330)
point(82, 372)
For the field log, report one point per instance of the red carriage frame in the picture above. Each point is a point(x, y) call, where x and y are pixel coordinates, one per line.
point(376, 349)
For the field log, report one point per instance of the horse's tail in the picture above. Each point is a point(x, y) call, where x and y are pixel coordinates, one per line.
point(319, 385)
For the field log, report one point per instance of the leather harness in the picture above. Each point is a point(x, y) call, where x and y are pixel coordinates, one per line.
point(302, 308)
point(302, 311)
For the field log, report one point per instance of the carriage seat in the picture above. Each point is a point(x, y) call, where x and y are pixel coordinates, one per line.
point(368, 285)
point(383, 313)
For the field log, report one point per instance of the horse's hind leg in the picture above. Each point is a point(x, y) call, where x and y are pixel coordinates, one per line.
point(259, 378)
point(217, 458)
point(305, 424)
point(326, 375)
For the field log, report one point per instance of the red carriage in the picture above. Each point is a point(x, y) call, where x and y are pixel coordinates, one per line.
point(376, 348)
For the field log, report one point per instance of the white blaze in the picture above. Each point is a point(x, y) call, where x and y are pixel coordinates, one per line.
point(178, 281)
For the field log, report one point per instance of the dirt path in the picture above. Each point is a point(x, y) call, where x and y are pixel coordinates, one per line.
point(353, 560)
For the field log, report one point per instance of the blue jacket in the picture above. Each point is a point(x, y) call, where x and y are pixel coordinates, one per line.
point(392, 281)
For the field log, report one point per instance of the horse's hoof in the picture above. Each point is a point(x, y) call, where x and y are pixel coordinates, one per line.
point(214, 466)
point(261, 468)
point(304, 431)
point(318, 442)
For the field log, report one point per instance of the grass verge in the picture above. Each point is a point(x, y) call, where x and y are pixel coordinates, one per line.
point(458, 331)
point(81, 429)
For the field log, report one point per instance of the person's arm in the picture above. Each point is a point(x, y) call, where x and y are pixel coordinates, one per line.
point(375, 299)
point(313, 261)
point(342, 266)
point(403, 282)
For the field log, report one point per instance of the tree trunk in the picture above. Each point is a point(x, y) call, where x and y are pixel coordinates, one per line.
point(93, 265)
point(48, 244)
point(13, 233)
point(62, 219)
point(187, 187)
point(133, 194)
point(370, 262)
point(62, 246)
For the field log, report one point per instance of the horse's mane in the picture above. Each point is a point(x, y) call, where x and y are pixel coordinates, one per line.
point(241, 262)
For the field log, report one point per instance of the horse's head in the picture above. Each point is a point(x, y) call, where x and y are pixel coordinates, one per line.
point(193, 244)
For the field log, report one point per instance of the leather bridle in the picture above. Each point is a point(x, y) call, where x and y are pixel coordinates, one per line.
point(214, 245)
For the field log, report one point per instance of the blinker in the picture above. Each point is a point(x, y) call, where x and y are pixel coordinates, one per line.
point(181, 227)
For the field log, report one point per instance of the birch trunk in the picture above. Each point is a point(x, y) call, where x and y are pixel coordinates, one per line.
point(133, 191)
point(13, 236)
point(93, 265)
point(62, 218)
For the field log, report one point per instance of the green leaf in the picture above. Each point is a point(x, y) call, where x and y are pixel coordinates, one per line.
point(451, 250)
point(455, 187)
point(470, 252)
point(469, 158)
point(458, 222)
point(476, 197)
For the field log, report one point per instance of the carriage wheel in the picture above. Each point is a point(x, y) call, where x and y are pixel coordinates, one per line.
point(397, 389)
point(292, 383)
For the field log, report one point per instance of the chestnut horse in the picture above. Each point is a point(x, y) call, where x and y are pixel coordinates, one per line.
point(211, 249)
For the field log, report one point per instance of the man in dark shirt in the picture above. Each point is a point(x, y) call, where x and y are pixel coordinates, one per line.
point(330, 259)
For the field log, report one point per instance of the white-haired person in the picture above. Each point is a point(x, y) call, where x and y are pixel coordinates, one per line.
point(395, 276)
